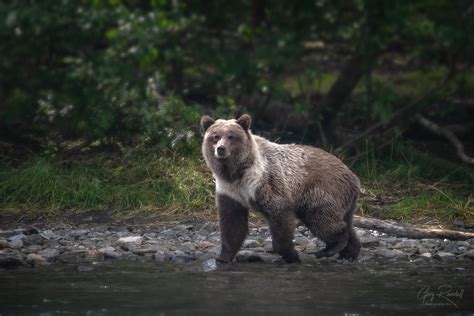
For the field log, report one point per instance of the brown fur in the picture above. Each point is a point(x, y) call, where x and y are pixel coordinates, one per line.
point(283, 182)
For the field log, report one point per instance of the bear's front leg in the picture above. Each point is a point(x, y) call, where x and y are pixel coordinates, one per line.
point(282, 227)
point(233, 222)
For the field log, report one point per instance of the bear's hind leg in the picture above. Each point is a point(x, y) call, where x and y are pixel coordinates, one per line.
point(352, 249)
point(327, 226)
point(233, 222)
point(335, 242)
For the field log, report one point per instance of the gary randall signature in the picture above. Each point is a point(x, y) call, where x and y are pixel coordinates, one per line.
point(442, 295)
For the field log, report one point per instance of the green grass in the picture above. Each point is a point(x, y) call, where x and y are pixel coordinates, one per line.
point(402, 184)
point(445, 206)
point(415, 187)
point(156, 184)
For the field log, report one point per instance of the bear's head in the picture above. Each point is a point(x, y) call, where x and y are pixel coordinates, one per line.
point(226, 142)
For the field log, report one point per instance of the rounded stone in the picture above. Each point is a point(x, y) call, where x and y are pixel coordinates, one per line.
point(389, 254)
point(248, 256)
point(3, 244)
point(36, 260)
point(10, 259)
point(15, 244)
point(49, 254)
point(110, 253)
point(444, 255)
point(470, 254)
point(183, 259)
point(251, 243)
point(130, 240)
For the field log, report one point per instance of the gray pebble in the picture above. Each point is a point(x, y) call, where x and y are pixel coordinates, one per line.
point(264, 230)
point(304, 242)
point(10, 259)
point(3, 244)
point(143, 251)
point(248, 256)
point(49, 234)
point(137, 240)
point(160, 256)
point(470, 254)
point(209, 265)
point(369, 241)
point(444, 255)
point(49, 254)
point(15, 244)
point(387, 253)
point(36, 260)
point(452, 247)
point(78, 232)
point(34, 239)
point(251, 243)
point(183, 259)
point(109, 253)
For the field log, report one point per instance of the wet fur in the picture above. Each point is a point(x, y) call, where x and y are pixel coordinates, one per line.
point(284, 183)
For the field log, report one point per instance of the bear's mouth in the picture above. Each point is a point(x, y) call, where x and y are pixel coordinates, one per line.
point(221, 157)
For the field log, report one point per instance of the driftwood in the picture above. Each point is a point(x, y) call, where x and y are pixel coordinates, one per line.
point(402, 230)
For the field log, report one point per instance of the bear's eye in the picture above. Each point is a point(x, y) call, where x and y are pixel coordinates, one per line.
point(230, 137)
point(215, 138)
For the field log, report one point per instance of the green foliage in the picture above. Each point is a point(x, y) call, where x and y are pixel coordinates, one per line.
point(88, 69)
point(98, 69)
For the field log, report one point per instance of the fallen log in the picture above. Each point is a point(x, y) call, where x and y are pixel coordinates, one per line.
point(394, 228)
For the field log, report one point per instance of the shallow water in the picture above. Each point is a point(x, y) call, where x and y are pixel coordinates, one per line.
point(129, 288)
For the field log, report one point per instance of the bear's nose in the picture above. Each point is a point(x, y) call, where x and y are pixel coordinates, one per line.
point(221, 150)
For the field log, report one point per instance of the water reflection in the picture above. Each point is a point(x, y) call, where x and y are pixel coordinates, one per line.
point(157, 289)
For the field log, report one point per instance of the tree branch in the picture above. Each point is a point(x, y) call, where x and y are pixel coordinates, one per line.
point(449, 135)
point(397, 116)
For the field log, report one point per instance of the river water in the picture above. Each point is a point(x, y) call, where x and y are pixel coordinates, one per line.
point(145, 288)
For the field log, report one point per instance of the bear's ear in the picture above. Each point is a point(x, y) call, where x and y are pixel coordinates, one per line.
point(245, 121)
point(206, 122)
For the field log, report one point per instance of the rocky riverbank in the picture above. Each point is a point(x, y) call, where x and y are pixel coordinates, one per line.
point(84, 245)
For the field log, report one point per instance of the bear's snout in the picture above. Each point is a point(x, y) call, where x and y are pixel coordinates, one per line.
point(221, 151)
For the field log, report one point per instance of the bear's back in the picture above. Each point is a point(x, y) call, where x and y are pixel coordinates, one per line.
point(297, 170)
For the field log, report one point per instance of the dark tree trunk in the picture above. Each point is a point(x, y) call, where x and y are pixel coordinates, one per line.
point(177, 76)
point(258, 12)
point(334, 100)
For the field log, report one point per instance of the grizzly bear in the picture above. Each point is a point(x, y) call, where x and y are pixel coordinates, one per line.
point(283, 183)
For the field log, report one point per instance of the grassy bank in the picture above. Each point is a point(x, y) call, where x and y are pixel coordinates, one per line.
point(415, 187)
point(405, 185)
point(155, 183)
